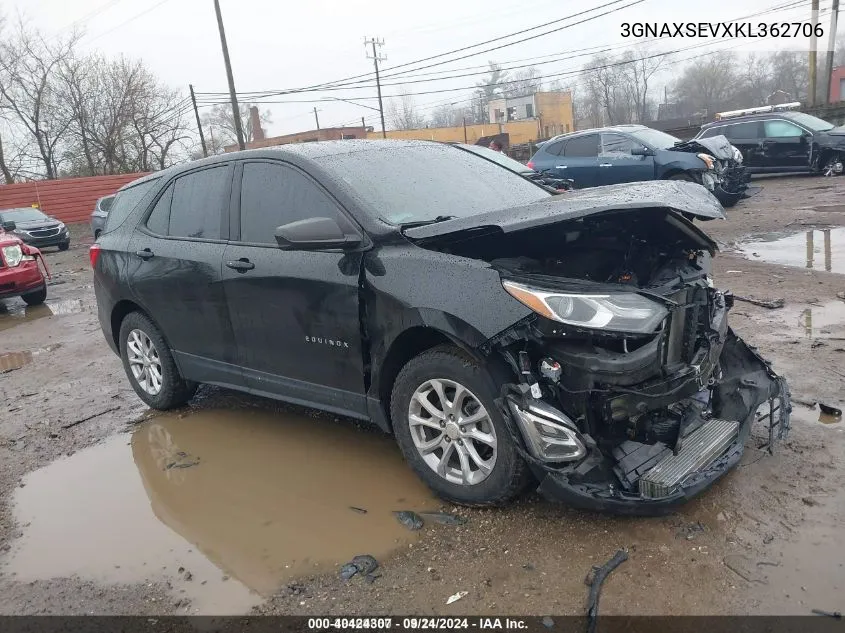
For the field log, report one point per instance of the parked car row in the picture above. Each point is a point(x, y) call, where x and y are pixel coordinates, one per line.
point(35, 228)
point(504, 334)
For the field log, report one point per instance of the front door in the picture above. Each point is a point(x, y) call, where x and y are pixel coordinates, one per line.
point(785, 145)
point(295, 313)
point(617, 164)
point(748, 137)
point(175, 259)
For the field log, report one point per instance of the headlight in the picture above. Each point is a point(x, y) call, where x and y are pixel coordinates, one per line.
point(61, 225)
point(620, 312)
point(13, 255)
point(737, 154)
point(708, 160)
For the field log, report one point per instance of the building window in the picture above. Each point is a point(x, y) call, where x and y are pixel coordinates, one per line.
point(567, 127)
point(499, 114)
point(529, 110)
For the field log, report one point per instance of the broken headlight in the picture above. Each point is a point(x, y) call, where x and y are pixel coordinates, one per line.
point(13, 255)
point(620, 312)
point(707, 159)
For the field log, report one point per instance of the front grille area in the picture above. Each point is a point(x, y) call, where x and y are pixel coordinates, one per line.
point(40, 233)
point(688, 321)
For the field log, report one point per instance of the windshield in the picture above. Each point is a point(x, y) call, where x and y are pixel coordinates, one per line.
point(655, 138)
point(497, 157)
point(414, 183)
point(814, 123)
point(21, 215)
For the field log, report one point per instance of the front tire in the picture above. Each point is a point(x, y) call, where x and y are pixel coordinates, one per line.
point(149, 365)
point(35, 298)
point(64, 246)
point(451, 432)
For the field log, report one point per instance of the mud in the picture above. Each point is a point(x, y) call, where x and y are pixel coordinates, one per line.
point(224, 507)
point(124, 486)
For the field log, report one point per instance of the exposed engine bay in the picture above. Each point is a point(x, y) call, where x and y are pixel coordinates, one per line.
point(727, 179)
point(629, 390)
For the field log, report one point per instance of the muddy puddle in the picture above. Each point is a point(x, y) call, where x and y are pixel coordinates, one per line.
point(224, 506)
point(14, 312)
point(820, 249)
point(816, 321)
point(805, 414)
point(11, 361)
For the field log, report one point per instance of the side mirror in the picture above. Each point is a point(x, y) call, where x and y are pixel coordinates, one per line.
point(314, 234)
point(9, 226)
point(642, 151)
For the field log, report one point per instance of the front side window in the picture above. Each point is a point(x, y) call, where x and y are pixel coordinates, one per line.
point(125, 202)
point(583, 146)
point(198, 202)
point(781, 129)
point(273, 195)
point(616, 145)
point(741, 131)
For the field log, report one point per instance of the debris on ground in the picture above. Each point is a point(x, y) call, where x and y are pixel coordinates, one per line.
point(358, 510)
point(409, 519)
point(548, 622)
point(831, 614)
point(456, 596)
point(363, 564)
point(183, 460)
point(816, 344)
point(690, 530)
point(829, 410)
point(771, 304)
point(745, 568)
point(443, 518)
point(594, 580)
point(809, 501)
point(90, 417)
point(807, 403)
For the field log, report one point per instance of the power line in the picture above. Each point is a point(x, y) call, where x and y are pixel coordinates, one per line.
point(124, 23)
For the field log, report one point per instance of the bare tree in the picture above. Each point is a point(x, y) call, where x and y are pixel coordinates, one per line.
point(709, 84)
point(402, 113)
point(522, 83)
point(639, 69)
point(221, 119)
point(607, 97)
point(449, 116)
point(30, 90)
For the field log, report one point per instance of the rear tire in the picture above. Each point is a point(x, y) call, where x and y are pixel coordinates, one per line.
point(477, 472)
point(149, 365)
point(35, 298)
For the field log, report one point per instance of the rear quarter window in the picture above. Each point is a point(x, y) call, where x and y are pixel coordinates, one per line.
point(126, 201)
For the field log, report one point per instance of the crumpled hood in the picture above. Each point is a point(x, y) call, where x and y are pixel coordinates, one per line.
point(684, 197)
point(717, 146)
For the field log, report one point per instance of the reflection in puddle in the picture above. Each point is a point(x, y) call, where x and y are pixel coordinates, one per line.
point(13, 313)
point(14, 360)
point(255, 496)
point(814, 249)
point(817, 321)
point(813, 416)
point(826, 418)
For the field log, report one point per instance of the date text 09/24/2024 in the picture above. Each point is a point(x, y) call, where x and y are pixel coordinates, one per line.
point(416, 623)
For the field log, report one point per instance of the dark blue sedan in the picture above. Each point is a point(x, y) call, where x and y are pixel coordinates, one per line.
point(625, 153)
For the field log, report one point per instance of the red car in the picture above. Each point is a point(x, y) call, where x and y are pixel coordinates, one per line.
point(20, 275)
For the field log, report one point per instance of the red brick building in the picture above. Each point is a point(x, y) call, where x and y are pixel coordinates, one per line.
point(837, 85)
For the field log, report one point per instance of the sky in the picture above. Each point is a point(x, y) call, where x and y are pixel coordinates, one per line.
point(284, 44)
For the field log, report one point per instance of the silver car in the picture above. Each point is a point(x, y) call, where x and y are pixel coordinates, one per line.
point(101, 212)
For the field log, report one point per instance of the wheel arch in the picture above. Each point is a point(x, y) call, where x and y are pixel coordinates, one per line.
point(120, 311)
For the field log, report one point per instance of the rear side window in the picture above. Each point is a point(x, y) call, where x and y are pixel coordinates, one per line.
point(159, 220)
point(585, 146)
point(273, 195)
point(105, 203)
point(554, 148)
point(196, 209)
point(747, 130)
point(125, 202)
point(713, 131)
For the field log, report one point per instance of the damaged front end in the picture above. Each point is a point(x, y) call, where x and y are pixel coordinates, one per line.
point(725, 178)
point(628, 392)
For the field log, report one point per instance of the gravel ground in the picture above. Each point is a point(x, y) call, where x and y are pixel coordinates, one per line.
point(107, 508)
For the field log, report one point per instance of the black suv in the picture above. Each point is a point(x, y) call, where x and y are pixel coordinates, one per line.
point(501, 333)
point(774, 142)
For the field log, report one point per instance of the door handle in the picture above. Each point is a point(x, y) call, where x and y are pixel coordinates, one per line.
point(241, 265)
point(605, 164)
point(144, 254)
point(560, 166)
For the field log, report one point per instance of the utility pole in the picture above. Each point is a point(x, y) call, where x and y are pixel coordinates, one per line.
point(814, 18)
point(378, 57)
point(199, 125)
point(316, 118)
point(236, 111)
point(831, 46)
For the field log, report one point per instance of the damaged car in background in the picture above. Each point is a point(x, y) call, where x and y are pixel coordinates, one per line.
point(504, 335)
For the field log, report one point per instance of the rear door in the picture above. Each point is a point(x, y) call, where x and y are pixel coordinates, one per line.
point(546, 158)
point(747, 137)
point(784, 145)
point(174, 270)
point(580, 161)
point(295, 313)
point(617, 164)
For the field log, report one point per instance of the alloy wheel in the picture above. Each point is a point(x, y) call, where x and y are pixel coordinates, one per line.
point(452, 431)
point(144, 361)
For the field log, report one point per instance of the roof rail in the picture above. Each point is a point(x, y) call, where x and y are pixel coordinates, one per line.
point(771, 108)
